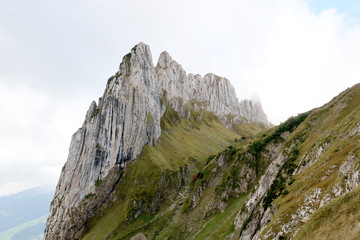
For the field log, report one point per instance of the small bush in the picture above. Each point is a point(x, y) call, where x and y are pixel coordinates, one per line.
point(98, 183)
point(110, 79)
point(256, 147)
point(232, 150)
point(90, 195)
point(285, 192)
point(296, 152)
point(292, 180)
point(97, 111)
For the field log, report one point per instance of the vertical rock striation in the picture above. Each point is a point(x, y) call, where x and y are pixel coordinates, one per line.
point(126, 119)
point(211, 92)
point(114, 132)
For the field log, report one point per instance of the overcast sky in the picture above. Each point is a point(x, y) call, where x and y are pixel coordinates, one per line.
point(56, 56)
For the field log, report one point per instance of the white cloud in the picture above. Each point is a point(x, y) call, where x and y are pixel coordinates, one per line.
point(276, 49)
point(310, 59)
point(36, 133)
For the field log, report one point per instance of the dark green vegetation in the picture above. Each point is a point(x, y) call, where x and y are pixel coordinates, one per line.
point(98, 183)
point(97, 111)
point(278, 187)
point(287, 126)
point(274, 136)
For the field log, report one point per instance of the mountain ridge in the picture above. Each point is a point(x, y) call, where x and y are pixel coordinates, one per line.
point(299, 180)
point(309, 176)
point(170, 155)
point(126, 119)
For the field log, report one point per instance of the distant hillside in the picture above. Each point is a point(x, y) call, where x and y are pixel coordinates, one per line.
point(23, 215)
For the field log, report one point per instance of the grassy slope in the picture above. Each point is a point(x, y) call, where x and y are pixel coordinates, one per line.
point(337, 220)
point(200, 222)
point(247, 129)
point(222, 224)
point(203, 221)
point(328, 124)
point(182, 143)
point(189, 143)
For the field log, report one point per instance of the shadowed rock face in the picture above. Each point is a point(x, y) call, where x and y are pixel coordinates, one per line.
point(126, 119)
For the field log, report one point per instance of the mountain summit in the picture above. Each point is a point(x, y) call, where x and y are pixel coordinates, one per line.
point(166, 155)
point(140, 113)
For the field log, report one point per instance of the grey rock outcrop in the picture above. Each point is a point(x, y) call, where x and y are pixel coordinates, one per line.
point(113, 133)
point(211, 92)
point(126, 119)
point(139, 236)
point(252, 210)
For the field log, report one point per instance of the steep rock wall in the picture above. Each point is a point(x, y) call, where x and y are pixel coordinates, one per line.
point(126, 119)
point(211, 92)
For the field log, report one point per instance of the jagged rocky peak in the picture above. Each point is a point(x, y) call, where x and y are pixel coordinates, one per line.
point(140, 56)
point(126, 119)
point(212, 92)
point(114, 132)
point(91, 111)
point(254, 112)
point(165, 60)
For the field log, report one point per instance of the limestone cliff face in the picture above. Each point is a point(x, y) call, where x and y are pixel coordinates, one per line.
point(126, 119)
point(113, 133)
point(211, 92)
